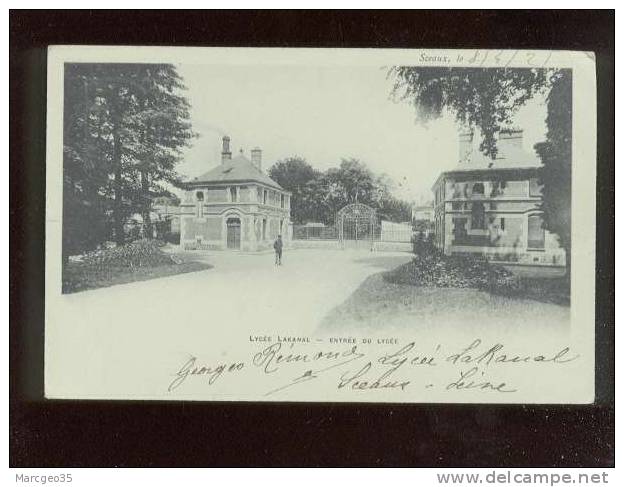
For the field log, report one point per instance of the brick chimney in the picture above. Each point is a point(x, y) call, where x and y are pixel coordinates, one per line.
point(226, 155)
point(465, 147)
point(256, 157)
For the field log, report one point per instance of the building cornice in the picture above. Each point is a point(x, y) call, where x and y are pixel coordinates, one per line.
point(224, 184)
point(487, 172)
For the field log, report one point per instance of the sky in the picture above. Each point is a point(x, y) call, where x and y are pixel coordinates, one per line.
point(325, 113)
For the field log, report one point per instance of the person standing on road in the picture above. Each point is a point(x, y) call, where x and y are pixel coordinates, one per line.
point(277, 245)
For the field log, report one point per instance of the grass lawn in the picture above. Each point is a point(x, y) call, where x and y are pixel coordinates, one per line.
point(80, 277)
point(432, 289)
point(430, 269)
point(137, 261)
point(382, 305)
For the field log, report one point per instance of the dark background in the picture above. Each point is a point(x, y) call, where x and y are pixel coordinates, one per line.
point(99, 433)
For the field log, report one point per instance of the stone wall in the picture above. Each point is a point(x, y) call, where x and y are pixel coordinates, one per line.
point(245, 194)
point(273, 228)
point(316, 244)
point(393, 247)
point(487, 189)
point(215, 195)
point(209, 228)
point(396, 232)
point(509, 255)
point(511, 236)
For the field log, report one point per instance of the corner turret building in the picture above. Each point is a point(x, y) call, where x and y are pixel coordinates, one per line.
point(234, 206)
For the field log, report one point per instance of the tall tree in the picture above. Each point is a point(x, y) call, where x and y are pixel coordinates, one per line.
point(556, 156)
point(354, 181)
point(295, 175)
point(125, 126)
point(86, 163)
point(292, 172)
point(161, 128)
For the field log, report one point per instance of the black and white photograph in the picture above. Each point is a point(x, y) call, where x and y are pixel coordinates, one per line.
point(311, 239)
point(254, 225)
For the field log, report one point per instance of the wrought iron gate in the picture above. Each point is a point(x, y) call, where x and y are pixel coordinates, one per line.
point(357, 226)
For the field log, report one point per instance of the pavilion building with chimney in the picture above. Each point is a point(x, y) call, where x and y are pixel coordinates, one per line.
point(492, 207)
point(234, 206)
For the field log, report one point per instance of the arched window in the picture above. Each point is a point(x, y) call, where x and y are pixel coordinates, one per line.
point(478, 216)
point(478, 188)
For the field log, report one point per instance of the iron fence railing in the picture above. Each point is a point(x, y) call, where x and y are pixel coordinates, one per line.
point(356, 233)
point(304, 232)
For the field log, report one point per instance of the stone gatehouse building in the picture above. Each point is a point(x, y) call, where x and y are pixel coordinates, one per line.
point(492, 207)
point(234, 206)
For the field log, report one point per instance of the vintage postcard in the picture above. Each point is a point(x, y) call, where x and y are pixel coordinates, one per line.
point(326, 225)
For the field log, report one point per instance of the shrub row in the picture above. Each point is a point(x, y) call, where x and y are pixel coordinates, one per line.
point(433, 269)
point(140, 253)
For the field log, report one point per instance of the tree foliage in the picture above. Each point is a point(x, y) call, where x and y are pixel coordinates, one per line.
point(478, 97)
point(317, 196)
point(296, 175)
point(125, 126)
point(556, 156)
point(293, 172)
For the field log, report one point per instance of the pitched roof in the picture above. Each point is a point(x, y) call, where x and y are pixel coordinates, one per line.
point(237, 169)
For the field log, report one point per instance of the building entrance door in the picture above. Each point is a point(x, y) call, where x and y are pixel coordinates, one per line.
point(233, 233)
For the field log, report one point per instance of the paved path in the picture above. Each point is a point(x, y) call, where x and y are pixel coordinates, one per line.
point(127, 327)
point(249, 288)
